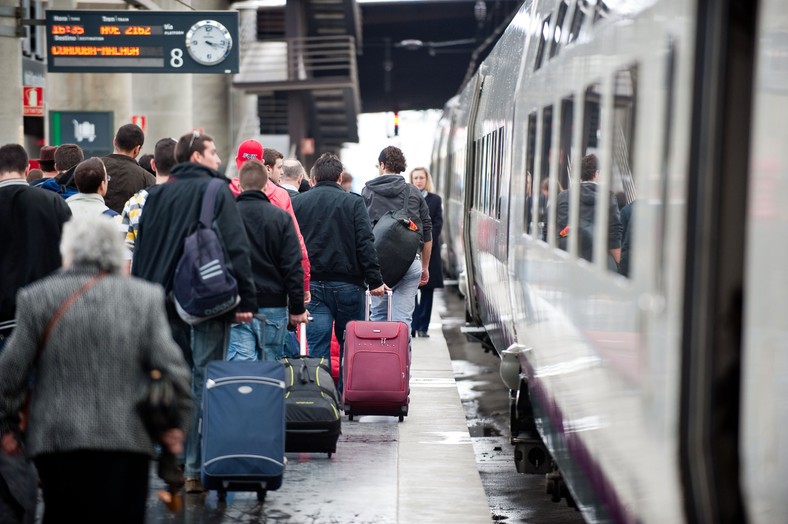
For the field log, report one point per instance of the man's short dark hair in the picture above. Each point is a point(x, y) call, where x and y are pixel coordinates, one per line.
point(270, 155)
point(13, 159)
point(145, 161)
point(253, 175)
point(128, 137)
point(190, 143)
point(164, 155)
point(588, 167)
point(327, 168)
point(89, 175)
point(67, 156)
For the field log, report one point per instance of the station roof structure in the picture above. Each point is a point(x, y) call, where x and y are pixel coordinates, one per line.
point(316, 64)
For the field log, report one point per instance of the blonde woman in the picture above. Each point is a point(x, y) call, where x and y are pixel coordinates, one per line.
point(420, 177)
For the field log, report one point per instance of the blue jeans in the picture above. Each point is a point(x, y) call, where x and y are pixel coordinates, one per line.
point(249, 341)
point(208, 341)
point(403, 297)
point(333, 304)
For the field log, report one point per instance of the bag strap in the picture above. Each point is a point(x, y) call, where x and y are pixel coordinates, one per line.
point(405, 198)
point(42, 342)
point(208, 202)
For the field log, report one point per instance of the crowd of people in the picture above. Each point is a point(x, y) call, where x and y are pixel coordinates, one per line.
point(78, 335)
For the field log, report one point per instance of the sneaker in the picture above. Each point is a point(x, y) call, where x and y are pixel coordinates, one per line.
point(194, 486)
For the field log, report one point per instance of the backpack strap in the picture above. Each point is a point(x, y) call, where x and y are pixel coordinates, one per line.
point(405, 198)
point(208, 202)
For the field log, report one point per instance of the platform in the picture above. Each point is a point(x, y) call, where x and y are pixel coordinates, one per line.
point(419, 471)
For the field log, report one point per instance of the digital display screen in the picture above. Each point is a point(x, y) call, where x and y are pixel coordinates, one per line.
point(85, 41)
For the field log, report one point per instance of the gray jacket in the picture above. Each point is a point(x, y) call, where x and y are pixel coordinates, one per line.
point(93, 368)
point(384, 193)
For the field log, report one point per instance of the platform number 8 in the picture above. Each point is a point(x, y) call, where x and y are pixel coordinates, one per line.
point(176, 57)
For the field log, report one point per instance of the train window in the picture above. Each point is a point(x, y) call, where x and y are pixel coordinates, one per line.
point(602, 11)
point(559, 24)
point(577, 22)
point(565, 150)
point(499, 178)
point(486, 179)
point(530, 150)
point(544, 169)
point(544, 37)
point(583, 234)
point(492, 201)
point(622, 182)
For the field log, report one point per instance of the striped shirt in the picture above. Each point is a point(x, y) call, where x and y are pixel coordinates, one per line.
point(130, 217)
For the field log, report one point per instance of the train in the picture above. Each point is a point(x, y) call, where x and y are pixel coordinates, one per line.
point(645, 348)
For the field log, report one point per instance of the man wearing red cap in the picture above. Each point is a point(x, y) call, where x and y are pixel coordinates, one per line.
point(253, 150)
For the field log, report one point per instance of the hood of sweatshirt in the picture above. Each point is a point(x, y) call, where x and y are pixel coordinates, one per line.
point(387, 185)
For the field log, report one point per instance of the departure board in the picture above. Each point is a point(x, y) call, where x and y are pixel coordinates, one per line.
point(87, 41)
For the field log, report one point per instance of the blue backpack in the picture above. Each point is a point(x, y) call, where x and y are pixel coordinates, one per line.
point(203, 287)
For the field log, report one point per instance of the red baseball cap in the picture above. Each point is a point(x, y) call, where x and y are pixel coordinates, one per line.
point(249, 150)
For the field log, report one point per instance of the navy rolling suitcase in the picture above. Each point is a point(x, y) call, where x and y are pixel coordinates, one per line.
point(314, 421)
point(243, 427)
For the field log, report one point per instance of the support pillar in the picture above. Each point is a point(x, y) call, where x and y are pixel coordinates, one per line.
point(211, 100)
point(164, 99)
point(11, 130)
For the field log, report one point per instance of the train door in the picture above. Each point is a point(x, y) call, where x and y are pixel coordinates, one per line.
point(471, 187)
point(763, 448)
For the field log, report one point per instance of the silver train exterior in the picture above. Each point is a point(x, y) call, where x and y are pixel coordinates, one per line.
point(662, 395)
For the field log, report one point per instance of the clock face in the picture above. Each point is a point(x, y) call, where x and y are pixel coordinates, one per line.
point(208, 42)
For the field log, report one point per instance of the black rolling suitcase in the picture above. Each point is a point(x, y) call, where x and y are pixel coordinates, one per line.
point(314, 420)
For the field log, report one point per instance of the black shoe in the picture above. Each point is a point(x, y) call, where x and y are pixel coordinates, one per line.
point(424, 334)
point(413, 334)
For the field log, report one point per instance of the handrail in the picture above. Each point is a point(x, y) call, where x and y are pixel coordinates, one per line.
point(321, 54)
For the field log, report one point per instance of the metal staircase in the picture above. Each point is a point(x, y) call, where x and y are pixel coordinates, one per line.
point(321, 64)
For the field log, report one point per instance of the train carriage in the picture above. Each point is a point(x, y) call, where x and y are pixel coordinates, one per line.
point(656, 377)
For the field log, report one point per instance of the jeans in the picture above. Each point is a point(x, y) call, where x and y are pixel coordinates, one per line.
point(403, 297)
point(333, 305)
point(423, 311)
point(208, 341)
point(249, 341)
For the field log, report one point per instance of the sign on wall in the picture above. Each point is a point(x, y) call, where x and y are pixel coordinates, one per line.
point(86, 41)
point(32, 101)
point(90, 130)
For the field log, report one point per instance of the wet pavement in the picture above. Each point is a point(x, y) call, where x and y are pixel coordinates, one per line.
point(309, 493)
point(513, 497)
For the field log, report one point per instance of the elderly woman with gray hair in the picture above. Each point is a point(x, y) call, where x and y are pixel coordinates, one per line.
point(90, 336)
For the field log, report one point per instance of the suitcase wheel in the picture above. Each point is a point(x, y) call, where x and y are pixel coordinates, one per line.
point(261, 493)
point(350, 418)
point(221, 495)
point(401, 418)
point(329, 454)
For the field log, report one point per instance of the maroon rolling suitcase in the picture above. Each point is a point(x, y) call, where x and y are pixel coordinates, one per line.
point(376, 367)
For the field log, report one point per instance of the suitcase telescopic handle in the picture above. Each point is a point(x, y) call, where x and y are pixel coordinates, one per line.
point(302, 338)
point(368, 308)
